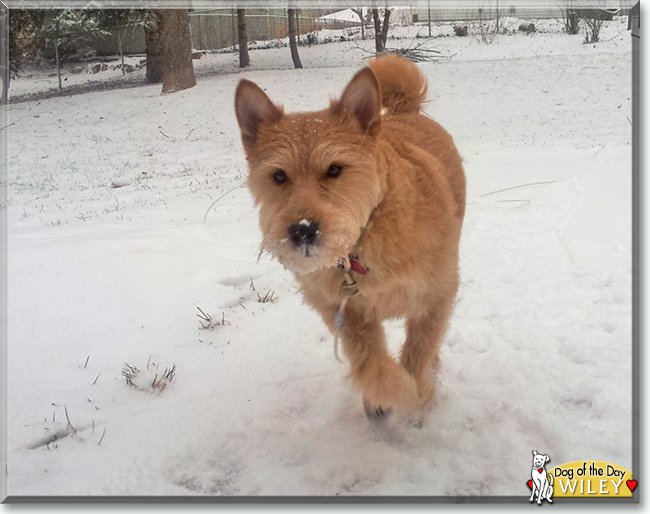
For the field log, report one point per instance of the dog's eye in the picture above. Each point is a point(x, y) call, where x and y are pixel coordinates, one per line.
point(280, 177)
point(334, 171)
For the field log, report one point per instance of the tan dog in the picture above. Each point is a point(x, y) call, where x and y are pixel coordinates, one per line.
point(368, 185)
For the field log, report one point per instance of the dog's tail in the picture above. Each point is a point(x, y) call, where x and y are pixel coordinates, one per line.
point(403, 87)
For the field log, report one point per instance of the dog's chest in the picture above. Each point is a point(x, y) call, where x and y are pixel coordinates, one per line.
point(388, 295)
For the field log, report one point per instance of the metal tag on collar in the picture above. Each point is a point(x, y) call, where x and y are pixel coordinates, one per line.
point(350, 286)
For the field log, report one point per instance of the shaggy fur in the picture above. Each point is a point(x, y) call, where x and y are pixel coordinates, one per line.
point(397, 204)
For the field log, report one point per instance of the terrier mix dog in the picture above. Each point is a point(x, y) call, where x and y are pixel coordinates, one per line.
point(364, 202)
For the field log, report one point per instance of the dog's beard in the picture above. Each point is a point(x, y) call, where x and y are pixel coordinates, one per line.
point(305, 259)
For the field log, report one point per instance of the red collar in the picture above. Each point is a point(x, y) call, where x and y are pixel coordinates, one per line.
point(357, 267)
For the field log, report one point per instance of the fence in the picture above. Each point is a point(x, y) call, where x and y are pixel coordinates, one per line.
point(91, 62)
point(217, 29)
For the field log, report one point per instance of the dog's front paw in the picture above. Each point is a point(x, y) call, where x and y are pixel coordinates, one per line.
point(425, 392)
point(386, 385)
point(376, 412)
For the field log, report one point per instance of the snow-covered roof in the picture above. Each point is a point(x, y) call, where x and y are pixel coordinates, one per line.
point(346, 15)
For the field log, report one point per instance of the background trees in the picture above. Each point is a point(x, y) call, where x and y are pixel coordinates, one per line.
point(60, 31)
point(381, 29)
point(292, 13)
point(152, 24)
point(176, 49)
point(243, 38)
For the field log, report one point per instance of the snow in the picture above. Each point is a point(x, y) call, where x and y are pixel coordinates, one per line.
point(538, 356)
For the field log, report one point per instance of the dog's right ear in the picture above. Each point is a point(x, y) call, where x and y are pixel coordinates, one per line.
point(253, 108)
point(534, 453)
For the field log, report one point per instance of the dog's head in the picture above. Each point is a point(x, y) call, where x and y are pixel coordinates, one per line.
point(539, 460)
point(314, 175)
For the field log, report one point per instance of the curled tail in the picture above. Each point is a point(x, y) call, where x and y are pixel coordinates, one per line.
point(403, 87)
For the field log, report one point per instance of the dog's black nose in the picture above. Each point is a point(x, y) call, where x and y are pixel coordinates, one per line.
point(304, 233)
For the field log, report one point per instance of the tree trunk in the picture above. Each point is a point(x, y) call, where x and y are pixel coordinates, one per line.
point(292, 39)
point(152, 33)
point(379, 43)
point(232, 24)
point(178, 71)
point(384, 28)
point(119, 49)
point(56, 52)
point(243, 39)
point(297, 25)
point(58, 61)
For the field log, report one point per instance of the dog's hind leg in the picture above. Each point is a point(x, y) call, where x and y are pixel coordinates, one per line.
point(384, 383)
point(423, 339)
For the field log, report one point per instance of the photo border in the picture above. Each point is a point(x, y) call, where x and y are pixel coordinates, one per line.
point(7, 5)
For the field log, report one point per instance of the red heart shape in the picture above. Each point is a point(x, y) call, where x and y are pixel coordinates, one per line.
point(530, 484)
point(540, 470)
point(631, 485)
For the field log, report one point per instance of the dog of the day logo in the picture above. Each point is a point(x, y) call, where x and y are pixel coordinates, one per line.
point(540, 481)
point(579, 479)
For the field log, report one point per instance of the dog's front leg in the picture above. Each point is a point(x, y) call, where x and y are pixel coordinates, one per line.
point(423, 340)
point(545, 490)
point(532, 495)
point(384, 383)
point(540, 492)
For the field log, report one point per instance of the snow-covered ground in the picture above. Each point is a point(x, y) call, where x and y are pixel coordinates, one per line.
point(538, 356)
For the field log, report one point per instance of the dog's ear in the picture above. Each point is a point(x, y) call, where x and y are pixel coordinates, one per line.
point(253, 108)
point(361, 100)
point(534, 453)
point(546, 458)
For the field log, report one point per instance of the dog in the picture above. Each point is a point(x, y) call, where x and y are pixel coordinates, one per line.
point(542, 484)
point(364, 202)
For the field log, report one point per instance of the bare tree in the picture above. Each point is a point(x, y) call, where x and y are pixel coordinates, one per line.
point(152, 33)
point(178, 71)
point(592, 26)
point(359, 13)
point(571, 21)
point(243, 38)
point(292, 38)
point(381, 30)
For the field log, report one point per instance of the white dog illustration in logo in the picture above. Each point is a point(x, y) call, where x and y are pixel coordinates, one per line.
point(542, 481)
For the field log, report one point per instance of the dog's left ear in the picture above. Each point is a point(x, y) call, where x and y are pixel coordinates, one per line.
point(362, 100)
point(546, 458)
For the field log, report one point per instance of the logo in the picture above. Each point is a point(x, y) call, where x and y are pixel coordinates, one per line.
point(579, 479)
point(540, 481)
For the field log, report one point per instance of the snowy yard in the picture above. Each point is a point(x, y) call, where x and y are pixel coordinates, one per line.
point(538, 356)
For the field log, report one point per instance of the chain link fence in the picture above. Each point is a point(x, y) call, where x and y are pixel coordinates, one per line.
point(92, 60)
